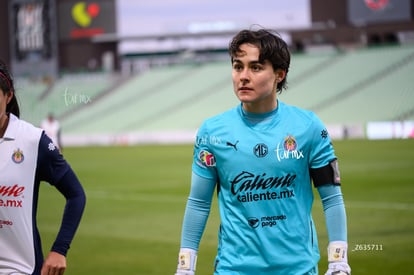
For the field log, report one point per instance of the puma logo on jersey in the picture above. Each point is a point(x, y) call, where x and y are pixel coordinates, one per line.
point(228, 143)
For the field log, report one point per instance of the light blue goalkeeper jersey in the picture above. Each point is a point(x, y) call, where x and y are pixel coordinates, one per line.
point(261, 165)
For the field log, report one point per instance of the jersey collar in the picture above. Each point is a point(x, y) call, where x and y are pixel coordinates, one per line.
point(11, 130)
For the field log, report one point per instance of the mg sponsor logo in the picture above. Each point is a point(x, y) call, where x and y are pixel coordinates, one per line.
point(260, 150)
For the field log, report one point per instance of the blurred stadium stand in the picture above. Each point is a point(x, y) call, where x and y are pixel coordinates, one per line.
point(352, 66)
point(63, 96)
point(344, 88)
point(359, 86)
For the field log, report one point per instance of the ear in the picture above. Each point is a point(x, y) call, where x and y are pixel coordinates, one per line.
point(280, 75)
point(9, 96)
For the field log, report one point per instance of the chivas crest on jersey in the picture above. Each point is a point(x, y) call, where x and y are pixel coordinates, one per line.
point(18, 156)
point(290, 143)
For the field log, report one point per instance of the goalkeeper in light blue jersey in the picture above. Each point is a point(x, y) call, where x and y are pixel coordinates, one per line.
point(264, 157)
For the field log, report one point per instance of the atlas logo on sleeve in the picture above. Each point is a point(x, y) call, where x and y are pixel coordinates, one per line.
point(207, 158)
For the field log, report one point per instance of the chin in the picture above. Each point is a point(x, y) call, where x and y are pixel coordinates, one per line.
point(245, 97)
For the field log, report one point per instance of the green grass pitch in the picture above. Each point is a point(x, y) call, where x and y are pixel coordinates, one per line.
point(136, 197)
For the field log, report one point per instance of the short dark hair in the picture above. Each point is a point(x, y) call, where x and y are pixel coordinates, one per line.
point(7, 86)
point(271, 47)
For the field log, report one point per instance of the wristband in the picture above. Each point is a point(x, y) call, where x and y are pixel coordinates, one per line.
point(187, 259)
point(337, 251)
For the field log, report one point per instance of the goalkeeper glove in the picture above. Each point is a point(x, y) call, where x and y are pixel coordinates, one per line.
point(338, 259)
point(187, 260)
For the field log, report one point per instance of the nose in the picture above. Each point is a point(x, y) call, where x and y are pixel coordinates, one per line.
point(244, 76)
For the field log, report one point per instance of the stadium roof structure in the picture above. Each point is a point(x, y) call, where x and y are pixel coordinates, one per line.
point(114, 37)
point(174, 41)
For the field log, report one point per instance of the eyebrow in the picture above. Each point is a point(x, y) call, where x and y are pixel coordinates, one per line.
point(235, 60)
